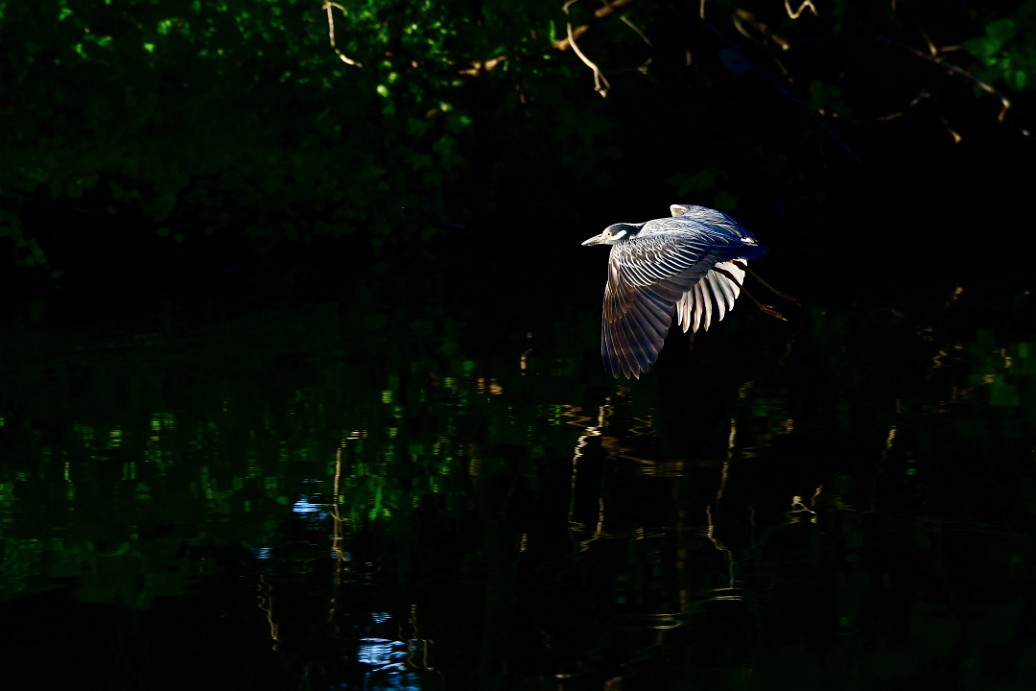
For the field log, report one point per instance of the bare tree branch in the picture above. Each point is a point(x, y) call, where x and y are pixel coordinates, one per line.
point(795, 14)
point(328, 6)
point(601, 84)
point(599, 14)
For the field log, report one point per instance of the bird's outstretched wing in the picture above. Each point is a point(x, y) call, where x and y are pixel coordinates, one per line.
point(711, 297)
point(662, 270)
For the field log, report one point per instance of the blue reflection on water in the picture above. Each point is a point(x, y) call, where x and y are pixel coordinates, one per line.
point(304, 507)
point(381, 653)
point(386, 660)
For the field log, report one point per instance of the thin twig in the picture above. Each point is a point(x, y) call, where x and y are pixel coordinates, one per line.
point(328, 6)
point(795, 14)
point(601, 84)
point(935, 55)
point(636, 29)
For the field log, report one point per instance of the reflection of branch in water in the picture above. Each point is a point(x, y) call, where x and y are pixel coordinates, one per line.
point(338, 533)
point(590, 431)
point(730, 592)
point(266, 607)
point(418, 649)
point(641, 427)
point(579, 420)
point(889, 439)
point(664, 621)
point(799, 510)
point(710, 535)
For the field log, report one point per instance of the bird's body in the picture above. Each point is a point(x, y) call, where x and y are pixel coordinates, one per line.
point(693, 263)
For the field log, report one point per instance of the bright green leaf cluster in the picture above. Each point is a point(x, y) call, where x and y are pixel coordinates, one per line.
point(1006, 52)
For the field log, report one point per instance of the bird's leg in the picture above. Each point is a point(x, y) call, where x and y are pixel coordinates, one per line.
point(778, 293)
point(769, 309)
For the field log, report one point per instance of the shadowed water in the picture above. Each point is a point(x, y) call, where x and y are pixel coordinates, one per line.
point(314, 498)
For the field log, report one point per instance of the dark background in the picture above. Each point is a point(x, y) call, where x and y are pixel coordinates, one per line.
point(175, 149)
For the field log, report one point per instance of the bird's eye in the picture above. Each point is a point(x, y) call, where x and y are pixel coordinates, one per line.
point(608, 233)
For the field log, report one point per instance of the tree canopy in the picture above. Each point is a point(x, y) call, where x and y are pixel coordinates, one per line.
point(239, 127)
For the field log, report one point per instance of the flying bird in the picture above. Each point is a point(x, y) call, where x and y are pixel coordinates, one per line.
point(694, 262)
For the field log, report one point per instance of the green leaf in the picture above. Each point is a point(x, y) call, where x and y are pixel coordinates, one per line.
point(1001, 31)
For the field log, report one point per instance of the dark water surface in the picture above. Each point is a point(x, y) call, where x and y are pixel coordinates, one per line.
point(322, 498)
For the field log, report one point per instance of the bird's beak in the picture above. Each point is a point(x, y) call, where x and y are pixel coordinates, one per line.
point(595, 240)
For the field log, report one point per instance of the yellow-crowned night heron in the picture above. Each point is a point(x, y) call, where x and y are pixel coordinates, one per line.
point(694, 261)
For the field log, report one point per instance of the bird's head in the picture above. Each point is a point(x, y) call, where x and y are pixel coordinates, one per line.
point(614, 233)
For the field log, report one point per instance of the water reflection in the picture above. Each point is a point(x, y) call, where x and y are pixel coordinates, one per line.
point(795, 508)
